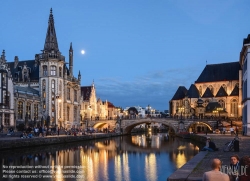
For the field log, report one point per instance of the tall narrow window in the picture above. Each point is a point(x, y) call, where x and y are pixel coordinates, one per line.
point(53, 100)
point(7, 119)
point(75, 95)
point(68, 93)
point(36, 111)
point(45, 71)
point(222, 103)
point(75, 113)
point(28, 110)
point(53, 70)
point(20, 110)
point(234, 108)
point(68, 113)
point(60, 71)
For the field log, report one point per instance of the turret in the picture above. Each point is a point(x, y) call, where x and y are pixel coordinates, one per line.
point(79, 76)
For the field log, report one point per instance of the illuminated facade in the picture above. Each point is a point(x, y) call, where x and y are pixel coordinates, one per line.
point(216, 92)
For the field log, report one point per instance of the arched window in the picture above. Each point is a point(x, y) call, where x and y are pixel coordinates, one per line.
point(45, 71)
point(211, 89)
point(225, 87)
point(234, 108)
point(20, 110)
point(222, 103)
point(28, 110)
point(200, 91)
point(53, 70)
point(60, 71)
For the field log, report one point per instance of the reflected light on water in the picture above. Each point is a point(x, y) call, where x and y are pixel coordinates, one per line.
point(126, 167)
point(180, 159)
point(118, 171)
point(150, 167)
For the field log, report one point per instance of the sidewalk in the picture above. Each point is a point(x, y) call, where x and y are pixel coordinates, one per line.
point(220, 141)
point(194, 169)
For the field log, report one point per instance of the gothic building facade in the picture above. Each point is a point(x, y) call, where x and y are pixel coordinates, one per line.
point(216, 92)
point(45, 89)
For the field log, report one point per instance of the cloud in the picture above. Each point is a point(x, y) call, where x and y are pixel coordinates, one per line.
point(155, 88)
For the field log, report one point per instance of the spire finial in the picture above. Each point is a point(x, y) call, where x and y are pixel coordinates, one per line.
point(51, 11)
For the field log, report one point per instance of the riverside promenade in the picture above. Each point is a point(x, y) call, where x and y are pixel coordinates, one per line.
point(194, 169)
point(12, 142)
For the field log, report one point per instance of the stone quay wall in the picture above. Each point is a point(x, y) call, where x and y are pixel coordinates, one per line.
point(13, 143)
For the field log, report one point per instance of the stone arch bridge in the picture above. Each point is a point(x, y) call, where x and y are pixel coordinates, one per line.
point(174, 124)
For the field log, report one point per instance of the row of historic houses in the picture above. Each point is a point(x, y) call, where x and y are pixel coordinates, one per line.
point(44, 91)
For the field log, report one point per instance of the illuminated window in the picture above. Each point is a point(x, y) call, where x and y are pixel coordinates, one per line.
point(28, 110)
point(20, 110)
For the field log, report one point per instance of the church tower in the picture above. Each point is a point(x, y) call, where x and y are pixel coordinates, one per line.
point(52, 64)
point(59, 89)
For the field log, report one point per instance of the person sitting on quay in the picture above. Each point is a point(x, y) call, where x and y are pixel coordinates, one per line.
point(234, 167)
point(23, 135)
point(215, 174)
point(210, 146)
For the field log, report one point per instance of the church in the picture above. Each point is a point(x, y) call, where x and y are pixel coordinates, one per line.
point(216, 93)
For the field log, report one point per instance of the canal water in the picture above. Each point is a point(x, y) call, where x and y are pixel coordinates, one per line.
point(144, 157)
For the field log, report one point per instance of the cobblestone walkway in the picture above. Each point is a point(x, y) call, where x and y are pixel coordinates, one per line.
point(220, 141)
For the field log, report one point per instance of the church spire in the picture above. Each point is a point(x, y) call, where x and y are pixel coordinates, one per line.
point(71, 60)
point(51, 40)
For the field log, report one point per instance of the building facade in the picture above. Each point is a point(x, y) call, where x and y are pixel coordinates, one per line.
point(216, 93)
point(244, 58)
point(46, 91)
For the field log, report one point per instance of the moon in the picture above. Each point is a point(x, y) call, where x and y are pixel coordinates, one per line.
point(82, 52)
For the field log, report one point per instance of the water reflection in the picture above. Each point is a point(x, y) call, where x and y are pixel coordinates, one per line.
point(138, 157)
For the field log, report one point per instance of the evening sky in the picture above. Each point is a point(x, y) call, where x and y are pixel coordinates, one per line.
point(137, 51)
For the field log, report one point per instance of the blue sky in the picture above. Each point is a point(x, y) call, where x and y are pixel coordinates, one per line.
point(137, 51)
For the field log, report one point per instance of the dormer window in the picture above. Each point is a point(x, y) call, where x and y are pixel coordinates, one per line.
point(53, 70)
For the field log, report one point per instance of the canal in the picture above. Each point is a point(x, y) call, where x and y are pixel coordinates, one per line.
point(143, 157)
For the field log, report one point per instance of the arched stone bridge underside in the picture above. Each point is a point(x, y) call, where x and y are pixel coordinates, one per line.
point(173, 124)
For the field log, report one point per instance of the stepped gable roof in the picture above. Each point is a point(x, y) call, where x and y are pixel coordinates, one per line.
point(28, 90)
point(193, 92)
point(220, 72)
point(16, 72)
point(180, 93)
point(86, 92)
point(221, 92)
point(235, 91)
point(207, 93)
point(211, 106)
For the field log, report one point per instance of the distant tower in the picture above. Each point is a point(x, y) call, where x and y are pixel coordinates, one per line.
point(71, 60)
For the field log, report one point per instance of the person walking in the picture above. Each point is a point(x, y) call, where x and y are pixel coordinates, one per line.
point(234, 167)
point(215, 174)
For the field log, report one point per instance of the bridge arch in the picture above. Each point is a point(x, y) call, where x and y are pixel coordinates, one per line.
point(209, 126)
point(129, 126)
